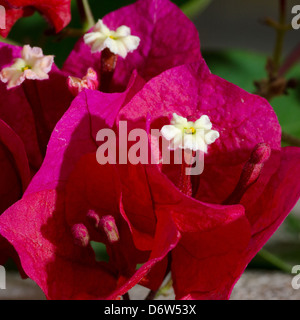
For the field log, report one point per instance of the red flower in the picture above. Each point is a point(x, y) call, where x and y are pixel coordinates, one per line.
point(57, 12)
point(167, 39)
point(53, 100)
point(28, 114)
point(138, 211)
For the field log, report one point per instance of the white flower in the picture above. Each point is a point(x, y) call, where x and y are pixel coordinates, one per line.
point(32, 65)
point(186, 134)
point(119, 42)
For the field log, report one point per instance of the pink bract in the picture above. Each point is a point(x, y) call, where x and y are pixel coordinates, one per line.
point(168, 38)
point(206, 244)
point(21, 150)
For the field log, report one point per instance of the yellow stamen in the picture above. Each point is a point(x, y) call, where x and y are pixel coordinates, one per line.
point(26, 68)
point(190, 130)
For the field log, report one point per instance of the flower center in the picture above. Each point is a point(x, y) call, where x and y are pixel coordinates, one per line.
point(191, 135)
point(100, 39)
point(190, 130)
point(31, 59)
point(26, 68)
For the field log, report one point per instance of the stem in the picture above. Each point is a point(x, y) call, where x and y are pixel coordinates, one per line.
point(185, 183)
point(274, 260)
point(108, 65)
point(280, 33)
point(71, 32)
point(290, 140)
point(86, 16)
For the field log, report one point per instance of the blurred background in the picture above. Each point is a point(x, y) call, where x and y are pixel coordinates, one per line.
point(236, 43)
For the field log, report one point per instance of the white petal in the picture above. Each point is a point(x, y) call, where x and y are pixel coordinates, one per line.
point(96, 41)
point(211, 136)
point(189, 142)
point(177, 142)
point(122, 31)
point(112, 45)
point(90, 38)
point(131, 42)
point(178, 120)
point(43, 65)
point(200, 144)
point(203, 122)
point(13, 77)
point(169, 132)
point(19, 64)
point(101, 28)
point(29, 53)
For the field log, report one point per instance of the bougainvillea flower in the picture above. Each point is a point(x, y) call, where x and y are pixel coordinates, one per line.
point(56, 12)
point(89, 81)
point(268, 187)
point(139, 211)
point(64, 252)
point(119, 42)
point(167, 39)
point(15, 170)
point(188, 134)
point(28, 114)
point(34, 103)
point(32, 65)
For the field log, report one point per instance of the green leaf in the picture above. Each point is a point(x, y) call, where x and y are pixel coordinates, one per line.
point(100, 251)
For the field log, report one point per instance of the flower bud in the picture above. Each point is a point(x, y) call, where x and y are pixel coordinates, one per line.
point(109, 226)
point(80, 235)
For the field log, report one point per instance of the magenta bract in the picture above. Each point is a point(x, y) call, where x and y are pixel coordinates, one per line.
point(150, 219)
point(168, 38)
